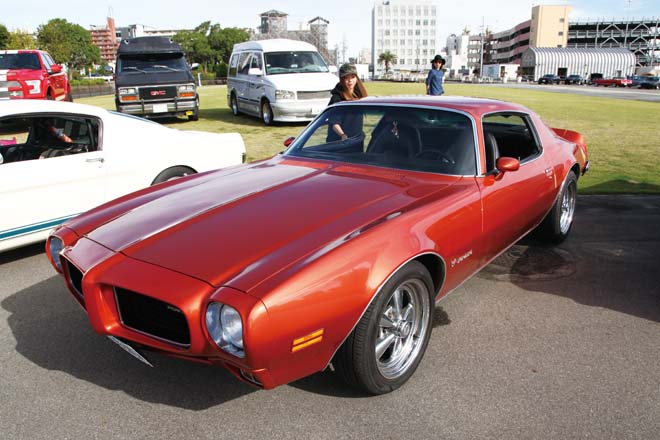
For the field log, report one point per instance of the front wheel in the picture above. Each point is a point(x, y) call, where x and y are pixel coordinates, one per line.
point(234, 105)
point(266, 112)
point(195, 114)
point(557, 223)
point(389, 341)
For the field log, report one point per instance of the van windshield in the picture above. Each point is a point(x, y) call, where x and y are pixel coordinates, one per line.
point(294, 62)
point(151, 63)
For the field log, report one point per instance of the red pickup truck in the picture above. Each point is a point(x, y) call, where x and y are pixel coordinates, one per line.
point(32, 74)
point(615, 82)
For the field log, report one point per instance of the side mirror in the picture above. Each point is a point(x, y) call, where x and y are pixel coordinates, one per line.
point(55, 68)
point(332, 69)
point(255, 71)
point(194, 66)
point(288, 141)
point(507, 164)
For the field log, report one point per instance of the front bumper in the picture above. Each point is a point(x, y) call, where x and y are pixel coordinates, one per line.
point(303, 110)
point(173, 108)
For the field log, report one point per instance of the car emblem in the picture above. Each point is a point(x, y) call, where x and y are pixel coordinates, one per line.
point(157, 92)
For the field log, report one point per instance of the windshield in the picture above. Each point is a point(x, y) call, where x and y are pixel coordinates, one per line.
point(149, 63)
point(20, 61)
point(294, 62)
point(407, 138)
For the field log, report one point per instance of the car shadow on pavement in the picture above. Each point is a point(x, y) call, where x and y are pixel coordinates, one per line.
point(52, 331)
point(610, 259)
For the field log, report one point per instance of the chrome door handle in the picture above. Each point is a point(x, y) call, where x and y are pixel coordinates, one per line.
point(96, 159)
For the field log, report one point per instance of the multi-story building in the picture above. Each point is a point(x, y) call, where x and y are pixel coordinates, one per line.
point(407, 29)
point(548, 27)
point(464, 53)
point(642, 37)
point(105, 38)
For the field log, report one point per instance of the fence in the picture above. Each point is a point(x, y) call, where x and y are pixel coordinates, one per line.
point(84, 91)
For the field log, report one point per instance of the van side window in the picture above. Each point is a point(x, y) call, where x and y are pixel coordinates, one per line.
point(256, 61)
point(233, 64)
point(244, 63)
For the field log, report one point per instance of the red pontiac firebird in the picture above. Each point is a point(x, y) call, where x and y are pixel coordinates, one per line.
point(332, 253)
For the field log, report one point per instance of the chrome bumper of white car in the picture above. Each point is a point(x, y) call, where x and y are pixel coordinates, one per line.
point(304, 110)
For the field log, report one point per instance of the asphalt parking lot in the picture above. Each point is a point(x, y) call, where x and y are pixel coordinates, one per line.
point(603, 92)
point(544, 343)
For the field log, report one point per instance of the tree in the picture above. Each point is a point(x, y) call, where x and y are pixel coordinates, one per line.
point(222, 41)
point(387, 57)
point(21, 40)
point(68, 44)
point(4, 37)
point(195, 45)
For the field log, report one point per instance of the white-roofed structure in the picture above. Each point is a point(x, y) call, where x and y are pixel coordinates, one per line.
point(563, 61)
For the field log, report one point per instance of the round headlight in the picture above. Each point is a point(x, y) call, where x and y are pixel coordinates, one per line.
point(225, 327)
point(55, 246)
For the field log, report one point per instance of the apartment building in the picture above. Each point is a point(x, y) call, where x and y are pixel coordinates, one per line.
point(105, 38)
point(408, 30)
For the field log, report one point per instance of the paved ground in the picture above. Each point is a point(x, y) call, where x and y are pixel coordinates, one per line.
point(545, 343)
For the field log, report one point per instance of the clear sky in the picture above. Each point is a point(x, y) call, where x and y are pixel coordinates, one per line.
point(350, 20)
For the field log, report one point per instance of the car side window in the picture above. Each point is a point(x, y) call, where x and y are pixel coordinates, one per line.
point(43, 137)
point(233, 65)
point(256, 61)
point(513, 136)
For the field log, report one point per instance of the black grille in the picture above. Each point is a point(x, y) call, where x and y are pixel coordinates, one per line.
point(157, 93)
point(75, 276)
point(153, 317)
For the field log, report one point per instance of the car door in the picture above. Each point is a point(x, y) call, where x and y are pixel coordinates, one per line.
point(243, 83)
point(513, 202)
point(256, 82)
point(44, 182)
point(57, 80)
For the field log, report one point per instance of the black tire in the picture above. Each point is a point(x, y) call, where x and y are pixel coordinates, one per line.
point(49, 95)
point(389, 341)
point(557, 223)
point(195, 115)
point(266, 112)
point(233, 103)
point(69, 96)
point(173, 173)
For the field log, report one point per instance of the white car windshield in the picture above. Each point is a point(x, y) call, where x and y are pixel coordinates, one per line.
point(294, 62)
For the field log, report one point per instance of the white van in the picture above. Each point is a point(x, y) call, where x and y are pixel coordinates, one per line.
point(279, 80)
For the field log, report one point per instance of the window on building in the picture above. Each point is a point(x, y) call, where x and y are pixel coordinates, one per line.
point(561, 20)
point(418, 22)
point(561, 33)
point(387, 32)
point(402, 42)
point(425, 22)
point(417, 32)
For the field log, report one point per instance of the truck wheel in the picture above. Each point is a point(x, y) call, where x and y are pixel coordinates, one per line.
point(195, 115)
point(49, 95)
point(266, 112)
point(69, 96)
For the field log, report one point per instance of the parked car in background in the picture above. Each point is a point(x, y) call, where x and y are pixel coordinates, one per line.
point(549, 79)
point(32, 74)
point(153, 79)
point(60, 159)
point(650, 82)
point(617, 81)
point(332, 253)
point(593, 77)
point(278, 80)
point(574, 79)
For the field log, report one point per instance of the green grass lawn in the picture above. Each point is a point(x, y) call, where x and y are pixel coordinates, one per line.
point(622, 135)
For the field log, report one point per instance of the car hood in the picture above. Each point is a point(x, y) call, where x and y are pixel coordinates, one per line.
point(314, 81)
point(160, 78)
point(238, 228)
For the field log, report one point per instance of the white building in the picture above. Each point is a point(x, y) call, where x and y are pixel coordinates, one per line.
point(407, 29)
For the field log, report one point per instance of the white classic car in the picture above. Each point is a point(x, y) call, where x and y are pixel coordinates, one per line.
point(58, 159)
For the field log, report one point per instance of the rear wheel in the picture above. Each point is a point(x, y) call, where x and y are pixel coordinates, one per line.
point(49, 95)
point(557, 223)
point(389, 341)
point(173, 173)
point(69, 96)
point(266, 112)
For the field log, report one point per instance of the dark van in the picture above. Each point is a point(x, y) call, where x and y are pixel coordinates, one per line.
point(153, 79)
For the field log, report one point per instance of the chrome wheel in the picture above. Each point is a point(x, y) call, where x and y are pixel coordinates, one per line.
point(402, 328)
point(266, 113)
point(567, 207)
point(234, 105)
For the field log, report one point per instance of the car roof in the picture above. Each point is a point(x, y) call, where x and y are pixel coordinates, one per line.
point(19, 106)
point(474, 106)
point(21, 51)
point(275, 45)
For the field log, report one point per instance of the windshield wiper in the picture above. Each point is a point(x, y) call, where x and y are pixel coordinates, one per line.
point(166, 67)
point(133, 68)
